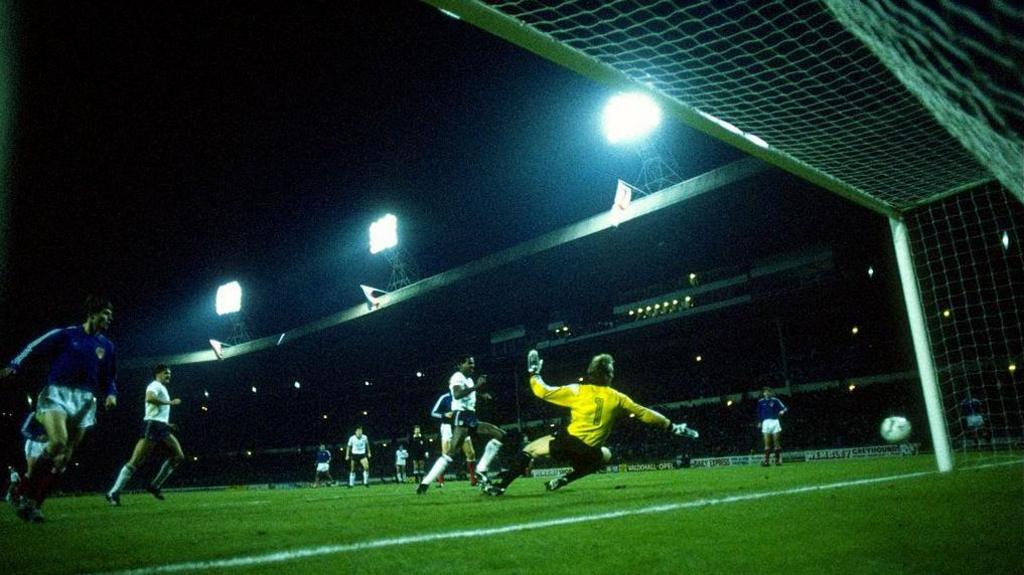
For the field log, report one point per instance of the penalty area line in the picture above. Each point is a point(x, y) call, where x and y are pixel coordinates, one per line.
point(295, 554)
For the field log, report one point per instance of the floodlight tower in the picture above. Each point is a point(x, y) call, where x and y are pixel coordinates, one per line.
point(631, 118)
point(229, 302)
point(384, 238)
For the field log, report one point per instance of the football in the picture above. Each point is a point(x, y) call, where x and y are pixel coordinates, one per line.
point(895, 429)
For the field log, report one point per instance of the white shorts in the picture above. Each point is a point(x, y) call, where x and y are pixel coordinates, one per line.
point(33, 449)
point(446, 432)
point(974, 421)
point(323, 467)
point(770, 427)
point(78, 404)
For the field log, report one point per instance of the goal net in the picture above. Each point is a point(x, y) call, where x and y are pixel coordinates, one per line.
point(970, 271)
point(914, 110)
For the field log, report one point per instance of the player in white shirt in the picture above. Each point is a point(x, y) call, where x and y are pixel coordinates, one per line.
point(442, 411)
point(157, 430)
point(358, 448)
point(401, 455)
point(465, 424)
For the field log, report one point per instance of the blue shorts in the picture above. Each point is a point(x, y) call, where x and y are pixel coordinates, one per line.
point(465, 419)
point(156, 431)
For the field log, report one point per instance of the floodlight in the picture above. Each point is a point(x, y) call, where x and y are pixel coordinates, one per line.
point(229, 298)
point(1006, 241)
point(630, 117)
point(383, 234)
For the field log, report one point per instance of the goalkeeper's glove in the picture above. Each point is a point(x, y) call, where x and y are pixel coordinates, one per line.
point(533, 362)
point(682, 430)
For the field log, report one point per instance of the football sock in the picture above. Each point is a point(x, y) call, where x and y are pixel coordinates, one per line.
point(38, 482)
point(471, 468)
point(165, 471)
point(519, 467)
point(437, 471)
point(351, 479)
point(778, 455)
point(122, 478)
point(767, 454)
point(489, 452)
point(583, 470)
point(366, 477)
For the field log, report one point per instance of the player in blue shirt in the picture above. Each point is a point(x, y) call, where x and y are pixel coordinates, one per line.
point(769, 409)
point(82, 366)
point(974, 420)
point(323, 467)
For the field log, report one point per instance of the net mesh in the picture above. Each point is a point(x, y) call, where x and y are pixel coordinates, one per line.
point(970, 269)
point(792, 75)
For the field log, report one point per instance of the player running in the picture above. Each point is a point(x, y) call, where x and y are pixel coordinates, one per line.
point(156, 431)
point(465, 423)
point(82, 364)
point(442, 411)
point(594, 407)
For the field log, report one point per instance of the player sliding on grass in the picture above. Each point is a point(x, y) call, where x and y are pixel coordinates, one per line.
point(594, 408)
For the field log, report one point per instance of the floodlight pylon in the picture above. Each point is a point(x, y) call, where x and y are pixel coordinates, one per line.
point(658, 169)
point(403, 270)
point(239, 331)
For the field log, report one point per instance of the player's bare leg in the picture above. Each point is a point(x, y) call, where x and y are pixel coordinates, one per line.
point(139, 455)
point(44, 473)
point(172, 463)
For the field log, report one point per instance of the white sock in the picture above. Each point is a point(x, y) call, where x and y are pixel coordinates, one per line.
point(351, 479)
point(366, 477)
point(492, 448)
point(122, 478)
point(439, 466)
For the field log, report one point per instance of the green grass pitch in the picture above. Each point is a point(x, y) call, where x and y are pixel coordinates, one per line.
point(906, 519)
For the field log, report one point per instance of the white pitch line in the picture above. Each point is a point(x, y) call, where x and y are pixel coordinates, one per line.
point(282, 556)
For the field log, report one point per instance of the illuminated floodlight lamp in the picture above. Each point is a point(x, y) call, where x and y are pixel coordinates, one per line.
point(1005, 240)
point(630, 117)
point(229, 298)
point(383, 234)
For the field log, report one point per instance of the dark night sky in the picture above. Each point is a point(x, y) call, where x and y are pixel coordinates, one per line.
point(160, 150)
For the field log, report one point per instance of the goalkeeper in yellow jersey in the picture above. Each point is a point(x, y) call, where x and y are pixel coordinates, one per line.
point(594, 408)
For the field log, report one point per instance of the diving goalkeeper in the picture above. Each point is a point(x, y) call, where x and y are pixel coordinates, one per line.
point(594, 407)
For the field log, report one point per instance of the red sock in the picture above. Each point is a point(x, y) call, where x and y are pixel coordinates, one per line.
point(38, 486)
point(471, 466)
point(440, 479)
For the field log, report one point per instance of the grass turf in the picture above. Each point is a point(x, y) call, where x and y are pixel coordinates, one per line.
point(971, 520)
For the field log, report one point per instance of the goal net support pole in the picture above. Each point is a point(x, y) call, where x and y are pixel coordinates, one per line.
point(922, 349)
